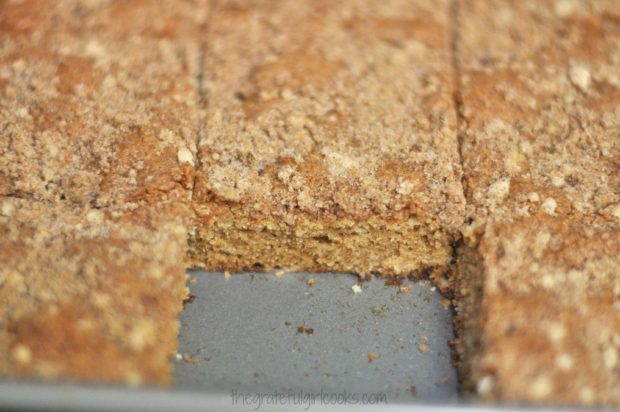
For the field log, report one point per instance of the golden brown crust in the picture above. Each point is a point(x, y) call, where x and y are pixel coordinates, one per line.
point(321, 113)
point(329, 131)
point(540, 154)
point(99, 116)
point(549, 313)
point(87, 297)
point(97, 113)
point(540, 85)
point(330, 109)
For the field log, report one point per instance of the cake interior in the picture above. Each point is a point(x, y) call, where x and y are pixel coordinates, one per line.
point(373, 246)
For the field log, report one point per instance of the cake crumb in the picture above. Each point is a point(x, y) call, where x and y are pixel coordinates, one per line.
point(7, 208)
point(549, 206)
point(514, 162)
point(372, 356)
point(405, 289)
point(394, 281)
point(564, 8)
point(541, 387)
point(556, 332)
point(500, 189)
point(303, 330)
point(22, 112)
point(142, 334)
point(185, 156)
point(616, 211)
point(580, 76)
point(564, 361)
point(279, 273)
point(22, 354)
point(405, 187)
point(187, 358)
point(533, 197)
point(227, 274)
point(189, 299)
point(311, 282)
point(610, 358)
point(422, 347)
point(356, 289)
point(94, 216)
point(133, 378)
point(586, 394)
point(485, 386)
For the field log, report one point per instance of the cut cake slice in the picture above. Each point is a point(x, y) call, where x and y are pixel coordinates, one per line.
point(84, 296)
point(329, 140)
point(98, 113)
point(537, 286)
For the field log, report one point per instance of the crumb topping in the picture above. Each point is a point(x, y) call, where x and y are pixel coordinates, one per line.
point(540, 113)
point(330, 109)
point(98, 116)
point(104, 101)
point(541, 170)
point(320, 109)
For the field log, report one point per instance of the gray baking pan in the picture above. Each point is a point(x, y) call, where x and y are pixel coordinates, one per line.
point(261, 342)
point(255, 333)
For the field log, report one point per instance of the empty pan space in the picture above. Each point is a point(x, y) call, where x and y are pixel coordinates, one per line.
point(257, 333)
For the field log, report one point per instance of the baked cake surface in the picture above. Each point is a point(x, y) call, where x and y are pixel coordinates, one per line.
point(99, 102)
point(98, 112)
point(316, 135)
point(88, 297)
point(329, 139)
point(537, 280)
point(546, 329)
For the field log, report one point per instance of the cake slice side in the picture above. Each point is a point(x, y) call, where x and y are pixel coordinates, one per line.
point(544, 327)
point(540, 157)
point(98, 119)
point(85, 297)
point(330, 138)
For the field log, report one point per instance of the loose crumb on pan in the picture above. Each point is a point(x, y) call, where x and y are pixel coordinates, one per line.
point(405, 289)
point(303, 330)
point(187, 358)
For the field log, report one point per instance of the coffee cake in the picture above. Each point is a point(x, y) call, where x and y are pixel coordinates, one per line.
point(396, 137)
point(85, 296)
point(537, 284)
point(99, 122)
point(329, 141)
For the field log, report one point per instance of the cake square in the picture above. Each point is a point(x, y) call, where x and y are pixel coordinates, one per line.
point(87, 297)
point(329, 141)
point(538, 321)
point(99, 120)
point(536, 283)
